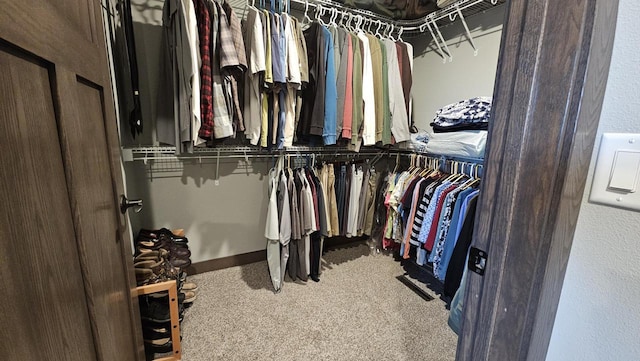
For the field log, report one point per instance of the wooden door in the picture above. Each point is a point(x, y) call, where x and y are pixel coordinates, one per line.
point(65, 255)
point(552, 74)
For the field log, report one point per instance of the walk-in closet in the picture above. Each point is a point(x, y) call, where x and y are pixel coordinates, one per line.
point(336, 137)
point(295, 179)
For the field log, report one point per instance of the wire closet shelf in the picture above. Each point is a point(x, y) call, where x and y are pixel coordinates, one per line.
point(384, 26)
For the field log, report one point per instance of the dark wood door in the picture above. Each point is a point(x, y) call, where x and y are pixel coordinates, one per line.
point(66, 256)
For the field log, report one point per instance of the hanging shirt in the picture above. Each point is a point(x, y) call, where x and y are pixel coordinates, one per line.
point(453, 232)
point(357, 117)
point(206, 95)
point(236, 74)
point(341, 78)
point(405, 72)
point(304, 71)
point(203, 16)
point(302, 51)
point(296, 233)
point(189, 136)
point(386, 113)
point(331, 95)
point(410, 56)
point(431, 237)
point(293, 79)
point(222, 123)
point(272, 228)
point(347, 115)
point(399, 122)
point(376, 67)
point(254, 49)
point(265, 16)
point(174, 98)
point(368, 94)
point(443, 228)
point(229, 67)
point(284, 211)
point(313, 104)
point(278, 54)
point(268, 80)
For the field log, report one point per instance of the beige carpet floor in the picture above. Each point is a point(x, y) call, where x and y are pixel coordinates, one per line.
point(358, 311)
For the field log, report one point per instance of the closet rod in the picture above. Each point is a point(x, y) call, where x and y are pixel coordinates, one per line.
point(450, 11)
point(168, 153)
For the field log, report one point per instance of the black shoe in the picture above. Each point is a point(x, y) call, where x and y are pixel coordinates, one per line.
point(154, 310)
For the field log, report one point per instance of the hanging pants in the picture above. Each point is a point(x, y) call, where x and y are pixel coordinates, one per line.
point(316, 253)
point(273, 260)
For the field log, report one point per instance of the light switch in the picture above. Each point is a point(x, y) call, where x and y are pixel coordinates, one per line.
point(624, 173)
point(617, 175)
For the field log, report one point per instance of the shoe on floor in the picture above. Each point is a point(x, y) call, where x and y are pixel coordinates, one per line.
point(154, 310)
point(189, 296)
point(189, 286)
point(150, 271)
point(180, 263)
point(162, 345)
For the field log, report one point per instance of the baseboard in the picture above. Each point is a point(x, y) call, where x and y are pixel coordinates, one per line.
point(257, 256)
point(226, 262)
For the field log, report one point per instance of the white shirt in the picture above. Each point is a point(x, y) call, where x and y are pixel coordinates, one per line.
point(399, 122)
point(257, 63)
point(194, 45)
point(271, 230)
point(368, 95)
point(294, 80)
point(410, 54)
point(285, 212)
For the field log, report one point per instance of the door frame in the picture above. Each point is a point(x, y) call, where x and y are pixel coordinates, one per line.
point(552, 73)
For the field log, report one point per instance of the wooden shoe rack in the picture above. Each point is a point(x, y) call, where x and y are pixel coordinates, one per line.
point(172, 289)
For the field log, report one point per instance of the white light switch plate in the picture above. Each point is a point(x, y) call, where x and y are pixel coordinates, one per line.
point(616, 145)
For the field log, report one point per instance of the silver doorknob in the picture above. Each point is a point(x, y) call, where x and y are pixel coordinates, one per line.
point(126, 204)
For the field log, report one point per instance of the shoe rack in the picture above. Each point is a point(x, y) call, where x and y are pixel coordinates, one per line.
point(172, 288)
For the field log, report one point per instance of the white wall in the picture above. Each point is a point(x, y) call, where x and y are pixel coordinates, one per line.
point(599, 312)
point(436, 84)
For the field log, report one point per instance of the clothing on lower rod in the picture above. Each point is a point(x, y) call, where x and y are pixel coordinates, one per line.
point(316, 253)
point(294, 261)
point(303, 271)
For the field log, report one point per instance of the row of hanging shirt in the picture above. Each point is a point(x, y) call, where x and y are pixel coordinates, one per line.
point(202, 70)
point(434, 212)
point(266, 77)
point(308, 204)
point(329, 84)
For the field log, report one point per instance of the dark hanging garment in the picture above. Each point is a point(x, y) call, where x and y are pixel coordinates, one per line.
point(316, 252)
point(405, 73)
point(457, 263)
point(313, 96)
point(120, 26)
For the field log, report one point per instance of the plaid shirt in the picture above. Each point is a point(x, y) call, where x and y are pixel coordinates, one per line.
point(230, 62)
point(206, 88)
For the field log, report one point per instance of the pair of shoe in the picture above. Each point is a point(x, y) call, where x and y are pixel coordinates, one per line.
point(153, 240)
point(153, 267)
point(157, 339)
point(156, 322)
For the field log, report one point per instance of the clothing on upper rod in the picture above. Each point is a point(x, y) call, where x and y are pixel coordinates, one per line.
point(277, 84)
